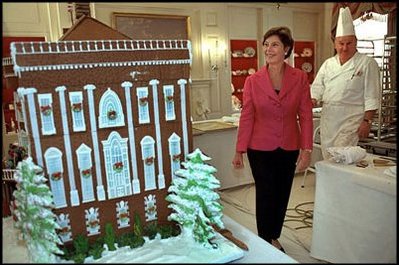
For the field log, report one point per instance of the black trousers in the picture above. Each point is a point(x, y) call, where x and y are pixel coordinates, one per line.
point(273, 172)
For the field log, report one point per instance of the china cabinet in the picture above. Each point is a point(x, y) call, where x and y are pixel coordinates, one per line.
point(244, 62)
point(304, 58)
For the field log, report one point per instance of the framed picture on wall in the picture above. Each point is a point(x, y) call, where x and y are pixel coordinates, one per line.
point(148, 26)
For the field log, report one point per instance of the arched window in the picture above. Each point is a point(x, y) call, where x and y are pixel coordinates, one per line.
point(175, 153)
point(117, 166)
point(111, 112)
point(55, 171)
point(148, 156)
point(83, 154)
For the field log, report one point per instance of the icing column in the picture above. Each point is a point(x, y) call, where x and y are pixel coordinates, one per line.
point(135, 182)
point(182, 83)
point(22, 100)
point(33, 120)
point(161, 176)
point(67, 144)
point(94, 137)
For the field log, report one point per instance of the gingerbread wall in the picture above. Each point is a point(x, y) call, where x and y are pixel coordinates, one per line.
point(101, 70)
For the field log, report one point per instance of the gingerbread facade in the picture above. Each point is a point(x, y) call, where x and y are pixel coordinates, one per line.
point(108, 119)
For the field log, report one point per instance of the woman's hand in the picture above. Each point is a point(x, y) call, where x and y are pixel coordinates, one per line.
point(303, 161)
point(238, 161)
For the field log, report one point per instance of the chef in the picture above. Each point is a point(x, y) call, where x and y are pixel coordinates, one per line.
point(348, 88)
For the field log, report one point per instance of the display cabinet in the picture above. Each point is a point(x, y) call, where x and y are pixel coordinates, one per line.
point(304, 58)
point(244, 62)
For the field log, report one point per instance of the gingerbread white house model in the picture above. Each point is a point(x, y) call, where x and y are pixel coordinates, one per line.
point(108, 119)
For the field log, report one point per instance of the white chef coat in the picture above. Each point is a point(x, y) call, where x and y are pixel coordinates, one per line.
point(347, 91)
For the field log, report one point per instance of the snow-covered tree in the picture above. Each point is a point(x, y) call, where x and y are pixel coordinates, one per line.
point(195, 203)
point(35, 219)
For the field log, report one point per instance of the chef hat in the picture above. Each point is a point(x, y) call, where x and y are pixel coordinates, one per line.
point(345, 23)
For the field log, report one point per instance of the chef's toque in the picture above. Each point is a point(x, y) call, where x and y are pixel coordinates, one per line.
point(345, 23)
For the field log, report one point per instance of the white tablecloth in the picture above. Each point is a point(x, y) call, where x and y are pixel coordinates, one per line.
point(259, 251)
point(354, 219)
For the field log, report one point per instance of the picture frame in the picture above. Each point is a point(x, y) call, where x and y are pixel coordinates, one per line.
point(151, 26)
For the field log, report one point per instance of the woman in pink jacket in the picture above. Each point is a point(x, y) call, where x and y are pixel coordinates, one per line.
point(275, 130)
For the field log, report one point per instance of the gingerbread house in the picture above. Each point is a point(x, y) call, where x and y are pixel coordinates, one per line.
point(108, 119)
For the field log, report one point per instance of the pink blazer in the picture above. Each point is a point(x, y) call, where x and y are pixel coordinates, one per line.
point(269, 120)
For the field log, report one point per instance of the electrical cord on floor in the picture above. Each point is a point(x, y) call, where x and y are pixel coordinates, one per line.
point(303, 216)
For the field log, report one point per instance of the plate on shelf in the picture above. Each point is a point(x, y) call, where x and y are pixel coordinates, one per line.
point(307, 67)
point(237, 53)
point(251, 71)
point(307, 52)
point(249, 52)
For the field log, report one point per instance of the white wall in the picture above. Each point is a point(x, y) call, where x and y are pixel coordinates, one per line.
point(209, 22)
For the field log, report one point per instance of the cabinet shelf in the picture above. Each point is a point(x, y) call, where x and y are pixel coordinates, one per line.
point(240, 63)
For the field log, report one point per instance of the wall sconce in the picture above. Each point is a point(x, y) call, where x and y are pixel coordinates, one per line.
point(215, 51)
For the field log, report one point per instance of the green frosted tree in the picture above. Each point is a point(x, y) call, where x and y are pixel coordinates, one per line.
point(35, 219)
point(194, 200)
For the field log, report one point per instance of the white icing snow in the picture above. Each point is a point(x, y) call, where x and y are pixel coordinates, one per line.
point(179, 249)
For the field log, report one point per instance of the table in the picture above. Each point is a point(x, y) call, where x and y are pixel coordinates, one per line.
point(354, 217)
point(218, 141)
point(259, 251)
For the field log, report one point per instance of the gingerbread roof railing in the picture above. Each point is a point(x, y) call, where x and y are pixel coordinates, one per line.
point(42, 47)
point(120, 48)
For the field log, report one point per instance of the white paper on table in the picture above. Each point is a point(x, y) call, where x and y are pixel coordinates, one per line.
point(347, 154)
point(391, 171)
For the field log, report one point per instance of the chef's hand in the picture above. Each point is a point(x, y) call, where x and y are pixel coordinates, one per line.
point(303, 161)
point(363, 130)
point(238, 162)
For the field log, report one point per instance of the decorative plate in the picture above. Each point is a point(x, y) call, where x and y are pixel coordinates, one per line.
point(249, 51)
point(307, 52)
point(307, 67)
point(237, 53)
point(251, 71)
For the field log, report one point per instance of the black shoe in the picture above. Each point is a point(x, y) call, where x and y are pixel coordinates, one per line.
point(282, 250)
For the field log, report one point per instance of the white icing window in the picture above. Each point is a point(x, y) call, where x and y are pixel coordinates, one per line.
point(46, 113)
point(65, 232)
point(92, 221)
point(148, 156)
point(175, 153)
point(122, 214)
point(150, 208)
point(76, 100)
point(168, 91)
point(117, 166)
point(111, 112)
point(142, 99)
point(23, 140)
point(85, 166)
point(18, 107)
point(55, 171)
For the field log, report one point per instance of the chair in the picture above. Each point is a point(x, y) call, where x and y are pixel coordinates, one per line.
point(316, 154)
point(8, 187)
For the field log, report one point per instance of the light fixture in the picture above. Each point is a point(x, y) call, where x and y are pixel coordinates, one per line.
point(215, 51)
